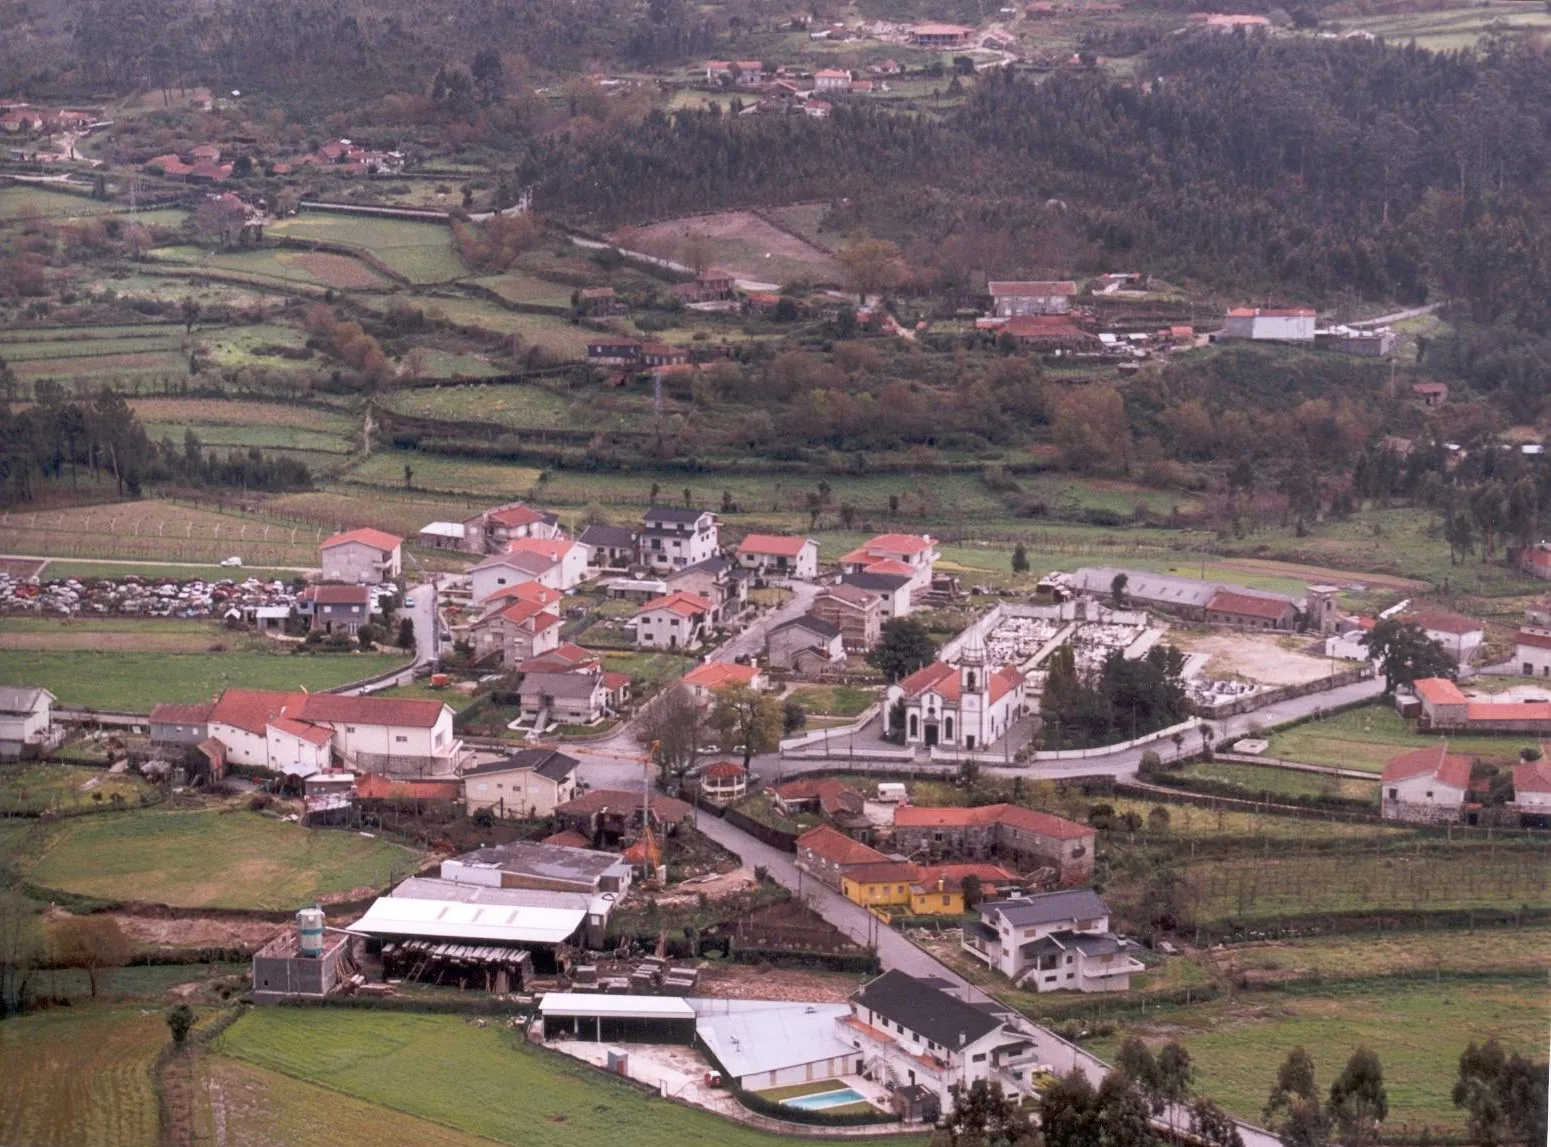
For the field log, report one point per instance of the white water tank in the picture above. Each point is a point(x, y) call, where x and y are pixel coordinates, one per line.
point(309, 931)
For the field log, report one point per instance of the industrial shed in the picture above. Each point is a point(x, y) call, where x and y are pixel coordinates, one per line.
point(626, 1019)
point(443, 938)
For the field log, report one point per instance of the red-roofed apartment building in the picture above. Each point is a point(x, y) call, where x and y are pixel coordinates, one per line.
point(364, 556)
point(677, 621)
point(1017, 837)
point(516, 631)
point(1426, 785)
point(890, 551)
point(779, 554)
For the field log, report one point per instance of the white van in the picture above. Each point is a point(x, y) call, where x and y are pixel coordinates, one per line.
point(892, 791)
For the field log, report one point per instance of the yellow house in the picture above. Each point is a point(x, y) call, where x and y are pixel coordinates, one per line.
point(880, 884)
point(939, 890)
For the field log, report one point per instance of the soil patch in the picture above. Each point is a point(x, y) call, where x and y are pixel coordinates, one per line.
point(1264, 660)
point(741, 242)
point(753, 982)
point(334, 270)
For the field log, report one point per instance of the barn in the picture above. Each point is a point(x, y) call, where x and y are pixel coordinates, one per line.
point(622, 1019)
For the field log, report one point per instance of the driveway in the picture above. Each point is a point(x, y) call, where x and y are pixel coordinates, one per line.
point(751, 642)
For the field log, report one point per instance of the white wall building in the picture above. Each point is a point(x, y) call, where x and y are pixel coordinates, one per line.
point(1055, 941)
point(779, 555)
point(1427, 786)
point(1532, 652)
point(968, 704)
point(672, 538)
point(677, 621)
point(910, 1033)
point(1274, 324)
point(26, 714)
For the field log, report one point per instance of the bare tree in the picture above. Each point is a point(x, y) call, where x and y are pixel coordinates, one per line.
point(673, 727)
point(92, 943)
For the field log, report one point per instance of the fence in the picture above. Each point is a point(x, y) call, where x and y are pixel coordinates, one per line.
point(1255, 701)
point(821, 736)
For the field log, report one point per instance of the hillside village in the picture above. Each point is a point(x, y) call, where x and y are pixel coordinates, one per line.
point(720, 574)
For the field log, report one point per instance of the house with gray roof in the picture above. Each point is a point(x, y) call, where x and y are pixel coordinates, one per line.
point(577, 698)
point(523, 786)
point(608, 547)
point(806, 644)
point(555, 867)
point(1055, 941)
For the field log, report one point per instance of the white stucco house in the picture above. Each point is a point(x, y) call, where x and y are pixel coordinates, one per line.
point(779, 555)
point(1428, 785)
point(1055, 941)
point(676, 621)
point(671, 538)
point(26, 716)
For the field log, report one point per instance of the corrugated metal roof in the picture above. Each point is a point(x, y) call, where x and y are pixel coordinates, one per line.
point(750, 1041)
point(450, 920)
point(617, 1007)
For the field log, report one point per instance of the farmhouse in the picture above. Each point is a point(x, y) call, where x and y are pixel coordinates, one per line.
point(524, 786)
point(857, 613)
point(806, 644)
point(828, 854)
point(1055, 941)
point(1445, 708)
point(677, 621)
point(608, 547)
point(1274, 324)
point(714, 579)
point(969, 704)
point(672, 538)
point(941, 35)
point(364, 555)
point(880, 884)
point(567, 560)
point(1431, 394)
point(703, 680)
point(489, 531)
point(1459, 635)
point(1427, 785)
point(780, 555)
point(1015, 299)
point(515, 632)
point(614, 352)
point(833, 798)
point(1047, 333)
point(1018, 837)
point(338, 608)
point(890, 592)
point(831, 80)
point(1532, 791)
point(1249, 611)
point(178, 728)
point(26, 716)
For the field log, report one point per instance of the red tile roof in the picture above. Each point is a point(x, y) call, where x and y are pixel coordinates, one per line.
point(1508, 712)
point(852, 596)
point(312, 734)
point(252, 709)
point(685, 604)
point(375, 787)
point(782, 545)
point(938, 676)
point(534, 591)
point(391, 711)
point(891, 566)
point(379, 538)
point(889, 546)
point(614, 682)
point(1532, 777)
point(1248, 605)
point(882, 872)
point(1442, 621)
point(551, 549)
point(833, 796)
point(1434, 761)
point(337, 594)
point(836, 847)
point(950, 877)
point(570, 838)
point(664, 809)
point(1533, 639)
point(1438, 691)
point(1030, 820)
point(515, 516)
point(725, 769)
point(718, 674)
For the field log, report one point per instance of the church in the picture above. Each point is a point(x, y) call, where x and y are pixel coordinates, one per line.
point(968, 705)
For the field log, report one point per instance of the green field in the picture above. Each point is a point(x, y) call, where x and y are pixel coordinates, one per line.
point(833, 700)
point(264, 437)
point(1451, 29)
point(1369, 737)
point(504, 405)
point(1442, 877)
point(32, 788)
point(421, 252)
point(652, 668)
point(80, 1077)
point(455, 699)
point(1418, 1029)
point(490, 480)
point(559, 336)
point(520, 287)
point(211, 859)
point(1257, 779)
point(483, 1081)
point(31, 199)
point(134, 682)
point(1484, 951)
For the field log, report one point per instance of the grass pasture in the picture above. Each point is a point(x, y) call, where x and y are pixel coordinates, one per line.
point(80, 1077)
point(833, 700)
point(521, 287)
point(133, 682)
point(1257, 779)
point(1417, 1027)
point(35, 787)
point(22, 200)
point(1450, 29)
point(167, 858)
point(1368, 737)
point(558, 336)
point(492, 481)
point(445, 1070)
point(421, 252)
point(740, 242)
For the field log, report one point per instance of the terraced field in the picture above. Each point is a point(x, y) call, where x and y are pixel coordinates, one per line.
point(421, 252)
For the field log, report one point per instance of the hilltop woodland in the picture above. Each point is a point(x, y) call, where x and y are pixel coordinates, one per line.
point(1364, 174)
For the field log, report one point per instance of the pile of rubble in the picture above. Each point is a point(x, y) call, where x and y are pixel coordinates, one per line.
point(138, 597)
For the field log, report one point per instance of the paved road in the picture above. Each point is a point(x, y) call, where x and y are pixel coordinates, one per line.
point(423, 614)
point(1399, 316)
point(897, 952)
point(751, 642)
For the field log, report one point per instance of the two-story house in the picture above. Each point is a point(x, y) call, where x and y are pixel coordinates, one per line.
point(363, 556)
point(910, 1033)
point(524, 786)
point(705, 679)
point(676, 621)
point(570, 697)
point(489, 531)
point(1023, 838)
point(1054, 941)
point(338, 608)
point(1015, 299)
point(779, 555)
point(516, 632)
point(672, 538)
point(910, 554)
point(608, 547)
point(714, 579)
point(26, 720)
point(856, 612)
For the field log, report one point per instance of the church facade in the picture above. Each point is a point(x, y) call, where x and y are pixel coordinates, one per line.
point(969, 705)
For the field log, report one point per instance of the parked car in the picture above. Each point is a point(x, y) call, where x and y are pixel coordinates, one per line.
point(231, 562)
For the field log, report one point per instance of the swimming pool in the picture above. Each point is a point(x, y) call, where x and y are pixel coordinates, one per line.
point(826, 1099)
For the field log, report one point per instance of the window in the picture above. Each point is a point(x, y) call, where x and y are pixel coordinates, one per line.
point(946, 899)
point(1394, 794)
point(981, 1058)
point(401, 740)
point(349, 728)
